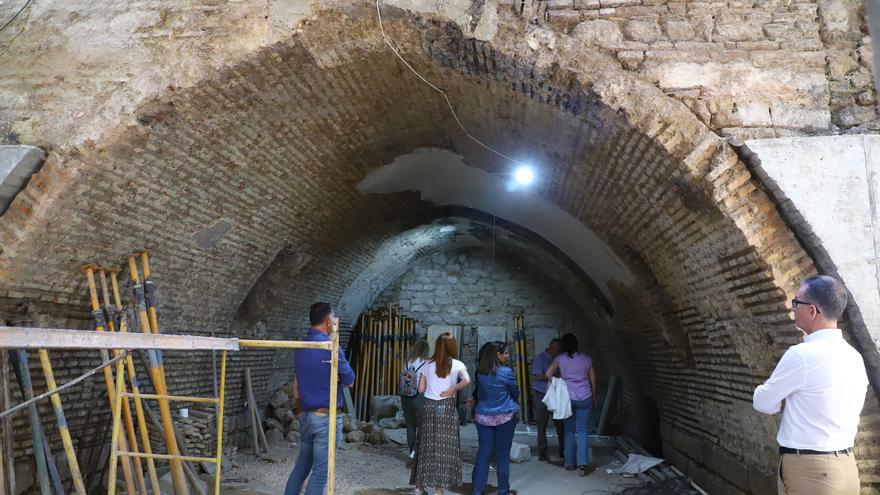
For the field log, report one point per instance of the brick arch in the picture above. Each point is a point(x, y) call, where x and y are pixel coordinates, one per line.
point(274, 145)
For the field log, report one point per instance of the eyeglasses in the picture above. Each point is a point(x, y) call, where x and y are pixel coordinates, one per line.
point(796, 301)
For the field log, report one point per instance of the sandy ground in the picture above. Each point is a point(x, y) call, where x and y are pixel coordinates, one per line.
point(382, 470)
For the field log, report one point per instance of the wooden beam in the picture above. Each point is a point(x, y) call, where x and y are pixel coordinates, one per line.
point(56, 338)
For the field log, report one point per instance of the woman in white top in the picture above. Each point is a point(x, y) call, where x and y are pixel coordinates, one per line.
point(412, 404)
point(438, 448)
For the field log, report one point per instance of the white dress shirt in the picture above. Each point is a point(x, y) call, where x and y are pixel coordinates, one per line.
point(823, 382)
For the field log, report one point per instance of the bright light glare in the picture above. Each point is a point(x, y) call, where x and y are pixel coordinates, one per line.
point(524, 175)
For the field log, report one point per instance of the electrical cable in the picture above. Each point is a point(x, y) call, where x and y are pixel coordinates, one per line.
point(437, 89)
point(28, 2)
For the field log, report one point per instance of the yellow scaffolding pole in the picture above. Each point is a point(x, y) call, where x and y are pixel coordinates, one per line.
point(157, 373)
point(62, 424)
point(12, 338)
point(124, 441)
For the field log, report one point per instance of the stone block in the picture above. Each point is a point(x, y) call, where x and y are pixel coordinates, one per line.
point(279, 413)
point(599, 32)
point(862, 79)
point(274, 424)
point(384, 406)
point(631, 59)
point(840, 63)
point(279, 399)
point(377, 436)
point(519, 452)
point(782, 31)
point(791, 115)
point(738, 31)
point(679, 30)
point(754, 114)
point(642, 30)
point(854, 116)
point(839, 20)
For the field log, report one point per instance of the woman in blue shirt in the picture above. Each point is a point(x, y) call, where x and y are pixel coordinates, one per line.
point(495, 416)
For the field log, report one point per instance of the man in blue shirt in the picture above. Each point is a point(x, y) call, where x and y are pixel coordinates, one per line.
point(539, 386)
point(312, 386)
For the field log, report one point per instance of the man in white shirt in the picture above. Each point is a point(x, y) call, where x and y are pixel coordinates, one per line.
point(819, 385)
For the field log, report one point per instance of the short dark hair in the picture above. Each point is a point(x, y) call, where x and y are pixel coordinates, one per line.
point(827, 293)
point(570, 344)
point(554, 340)
point(319, 312)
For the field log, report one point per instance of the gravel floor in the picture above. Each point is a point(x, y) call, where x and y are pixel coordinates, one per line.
point(360, 468)
point(382, 470)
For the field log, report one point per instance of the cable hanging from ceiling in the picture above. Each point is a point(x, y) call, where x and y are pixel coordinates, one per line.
point(442, 92)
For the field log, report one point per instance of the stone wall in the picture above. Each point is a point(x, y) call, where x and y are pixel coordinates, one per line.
point(470, 288)
point(747, 69)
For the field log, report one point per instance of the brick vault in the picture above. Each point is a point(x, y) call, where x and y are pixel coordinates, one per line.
point(243, 182)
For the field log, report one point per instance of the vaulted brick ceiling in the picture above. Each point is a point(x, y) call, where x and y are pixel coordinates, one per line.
point(275, 147)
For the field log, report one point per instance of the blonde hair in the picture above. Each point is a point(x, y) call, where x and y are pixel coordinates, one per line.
point(420, 350)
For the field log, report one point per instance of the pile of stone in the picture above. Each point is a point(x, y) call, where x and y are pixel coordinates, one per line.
point(198, 429)
point(357, 432)
point(281, 423)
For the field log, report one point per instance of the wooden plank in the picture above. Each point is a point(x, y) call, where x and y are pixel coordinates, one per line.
point(283, 344)
point(56, 338)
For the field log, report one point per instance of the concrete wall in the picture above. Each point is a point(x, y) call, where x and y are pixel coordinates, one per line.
point(834, 185)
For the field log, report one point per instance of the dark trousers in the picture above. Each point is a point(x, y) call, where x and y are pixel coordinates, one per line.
point(542, 415)
point(412, 409)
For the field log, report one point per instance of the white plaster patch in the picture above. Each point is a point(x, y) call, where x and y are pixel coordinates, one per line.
point(832, 181)
point(443, 178)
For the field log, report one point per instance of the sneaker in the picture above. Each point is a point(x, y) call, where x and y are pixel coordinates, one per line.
point(570, 468)
point(543, 458)
point(584, 470)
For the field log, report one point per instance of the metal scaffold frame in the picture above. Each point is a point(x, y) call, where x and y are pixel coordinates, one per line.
point(122, 344)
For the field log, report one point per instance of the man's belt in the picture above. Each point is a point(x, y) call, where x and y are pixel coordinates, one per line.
point(786, 450)
point(324, 411)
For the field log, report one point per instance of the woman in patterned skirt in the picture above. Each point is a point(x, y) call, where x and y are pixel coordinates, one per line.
point(438, 448)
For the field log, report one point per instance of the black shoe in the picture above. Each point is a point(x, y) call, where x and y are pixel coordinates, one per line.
point(543, 458)
point(584, 470)
point(570, 468)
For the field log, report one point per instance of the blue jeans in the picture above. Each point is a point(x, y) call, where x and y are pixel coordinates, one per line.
point(577, 423)
point(313, 449)
point(497, 440)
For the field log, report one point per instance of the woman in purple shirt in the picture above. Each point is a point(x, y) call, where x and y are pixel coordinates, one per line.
point(576, 368)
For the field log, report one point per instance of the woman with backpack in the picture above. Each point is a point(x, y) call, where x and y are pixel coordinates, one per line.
point(411, 401)
point(576, 369)
point(438, 448)
point(495, 416)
